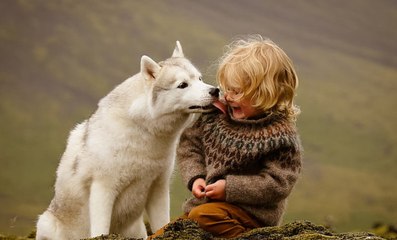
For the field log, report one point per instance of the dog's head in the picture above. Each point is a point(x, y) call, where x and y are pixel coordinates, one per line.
point(176, 85)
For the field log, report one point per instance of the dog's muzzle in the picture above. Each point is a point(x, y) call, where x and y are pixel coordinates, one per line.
point(214, 92)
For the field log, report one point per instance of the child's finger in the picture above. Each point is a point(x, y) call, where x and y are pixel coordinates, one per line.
point(200, 195)
point(198, 192)
point(209, 187)
point(212, 194)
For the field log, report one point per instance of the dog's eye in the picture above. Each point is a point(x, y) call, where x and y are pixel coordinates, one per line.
point(201, 78)
point(183, 85)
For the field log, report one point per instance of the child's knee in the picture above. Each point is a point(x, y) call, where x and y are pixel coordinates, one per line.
point(215, 218)
point(196, 214)
point(205, 213)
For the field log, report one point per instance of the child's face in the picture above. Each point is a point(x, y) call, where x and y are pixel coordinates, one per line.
point(241, 108)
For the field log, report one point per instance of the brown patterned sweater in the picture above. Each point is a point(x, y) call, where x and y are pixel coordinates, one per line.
point(259, 159)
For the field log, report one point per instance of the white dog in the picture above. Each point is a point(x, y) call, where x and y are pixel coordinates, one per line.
point(117, 164)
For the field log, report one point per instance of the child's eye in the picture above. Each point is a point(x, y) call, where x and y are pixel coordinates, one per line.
point(233, 91)
point(183, 85)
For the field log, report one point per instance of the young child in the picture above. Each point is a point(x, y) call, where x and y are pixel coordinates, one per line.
point(242, 161)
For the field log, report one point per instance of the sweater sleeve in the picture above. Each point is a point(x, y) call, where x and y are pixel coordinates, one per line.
point(190, 155)
point(272, 184)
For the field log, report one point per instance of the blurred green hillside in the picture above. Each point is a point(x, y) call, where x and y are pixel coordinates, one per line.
point(58, 58)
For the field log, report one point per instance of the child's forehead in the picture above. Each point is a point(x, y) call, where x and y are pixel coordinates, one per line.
point(234, 84)
point(230, 84)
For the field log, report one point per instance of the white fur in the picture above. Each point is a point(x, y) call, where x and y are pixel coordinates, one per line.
point(117, 164)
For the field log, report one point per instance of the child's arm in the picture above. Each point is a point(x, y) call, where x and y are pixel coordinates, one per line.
point(272, 184)
point(190, 157)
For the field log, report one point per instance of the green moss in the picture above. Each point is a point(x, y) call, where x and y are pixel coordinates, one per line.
point(299, 230)
point(384, 230)
point(303, 229)
point(110, 237)
point(184, 229)
point(3, 237)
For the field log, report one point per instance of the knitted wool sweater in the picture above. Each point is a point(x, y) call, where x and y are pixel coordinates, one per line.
point(259, 159)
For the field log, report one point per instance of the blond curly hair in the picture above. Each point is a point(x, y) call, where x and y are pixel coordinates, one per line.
point(260, 71)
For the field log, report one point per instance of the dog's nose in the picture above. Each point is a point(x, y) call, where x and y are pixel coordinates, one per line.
point(214, 92)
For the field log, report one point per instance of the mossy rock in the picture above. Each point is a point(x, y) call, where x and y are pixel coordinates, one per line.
point(185, 229)
point(110, 237)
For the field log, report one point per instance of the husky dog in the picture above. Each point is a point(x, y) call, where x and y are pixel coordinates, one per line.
point(117, 164)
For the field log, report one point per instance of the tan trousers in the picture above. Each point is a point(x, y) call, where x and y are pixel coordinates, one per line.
point(221, 219)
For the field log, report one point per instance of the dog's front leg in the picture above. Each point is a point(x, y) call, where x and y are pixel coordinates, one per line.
point(101, 206)
point(158, 205)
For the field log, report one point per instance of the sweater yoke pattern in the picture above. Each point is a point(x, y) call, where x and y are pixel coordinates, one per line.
point(235, 147)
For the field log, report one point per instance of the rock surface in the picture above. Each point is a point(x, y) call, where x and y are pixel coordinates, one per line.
point(189, 230)
point(186, 229)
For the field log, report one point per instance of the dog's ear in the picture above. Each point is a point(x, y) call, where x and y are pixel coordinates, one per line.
point(178, 50)
point(149, 68)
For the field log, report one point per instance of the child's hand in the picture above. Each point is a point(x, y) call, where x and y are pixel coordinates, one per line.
point(198, 188)
point(216, 190)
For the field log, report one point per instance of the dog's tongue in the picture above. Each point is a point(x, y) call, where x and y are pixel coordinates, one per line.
point(220, 105)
